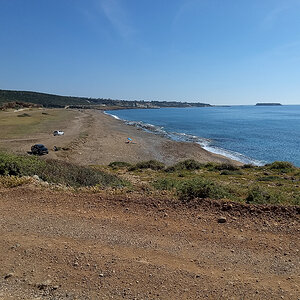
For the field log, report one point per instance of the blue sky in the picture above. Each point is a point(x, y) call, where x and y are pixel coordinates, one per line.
point(213, 51)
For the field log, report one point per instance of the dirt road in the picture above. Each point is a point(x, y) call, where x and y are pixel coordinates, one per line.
point(59, 245)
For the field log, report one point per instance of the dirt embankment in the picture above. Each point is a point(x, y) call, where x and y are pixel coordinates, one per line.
point(59, 245)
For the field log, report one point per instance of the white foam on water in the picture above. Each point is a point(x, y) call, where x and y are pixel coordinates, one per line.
point(114, 116)
point(184, 137)
point(233, 155)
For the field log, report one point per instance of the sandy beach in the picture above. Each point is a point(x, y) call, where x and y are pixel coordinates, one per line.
point(94, 138)
point(107, 138)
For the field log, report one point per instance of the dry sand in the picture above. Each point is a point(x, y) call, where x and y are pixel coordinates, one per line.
point(94, 138)
point(106, 141)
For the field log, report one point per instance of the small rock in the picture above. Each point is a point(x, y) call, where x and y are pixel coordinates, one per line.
point(17, 245)
point(8, 275)
point(222, 220)
point(36, 177)
point(101, 275)
point(44, 285)
point(76, 264)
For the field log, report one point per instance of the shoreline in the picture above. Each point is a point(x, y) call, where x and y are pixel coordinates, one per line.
point(95, 138)
point(109, 136)
point(184, 137)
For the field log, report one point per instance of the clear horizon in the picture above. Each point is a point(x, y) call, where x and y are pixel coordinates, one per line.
point(233, 53)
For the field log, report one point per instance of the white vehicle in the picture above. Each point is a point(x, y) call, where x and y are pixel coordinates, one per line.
point(58, 132)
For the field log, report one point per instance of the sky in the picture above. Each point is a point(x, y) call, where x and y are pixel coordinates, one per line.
point(212, 51)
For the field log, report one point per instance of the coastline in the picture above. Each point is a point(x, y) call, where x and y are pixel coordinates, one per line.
point(205, 143)
point(95, 138)
point(106, 142)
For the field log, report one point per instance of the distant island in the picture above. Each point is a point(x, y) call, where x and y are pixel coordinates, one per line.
point(268, 104)
point(9, 99)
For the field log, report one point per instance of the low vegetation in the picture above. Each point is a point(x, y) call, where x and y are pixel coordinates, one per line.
point(276, 183)
point(13, 181)
point(150, 164)
point(119, 164)
point(54, 171)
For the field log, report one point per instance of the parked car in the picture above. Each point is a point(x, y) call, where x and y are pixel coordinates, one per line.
point(58, 132)
point(39, 149)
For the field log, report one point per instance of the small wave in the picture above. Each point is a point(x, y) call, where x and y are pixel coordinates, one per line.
point(233, 155)
point(184, 137)
point(148, 127)
point(114, 116)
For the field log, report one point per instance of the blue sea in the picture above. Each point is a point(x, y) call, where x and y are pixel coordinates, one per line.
point(250, 134)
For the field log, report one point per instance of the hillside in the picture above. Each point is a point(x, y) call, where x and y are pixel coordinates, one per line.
point(50, 100)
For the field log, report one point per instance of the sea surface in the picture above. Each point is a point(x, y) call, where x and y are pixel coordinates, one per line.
point(250, 134)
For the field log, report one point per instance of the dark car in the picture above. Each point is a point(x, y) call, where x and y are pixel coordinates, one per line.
point(39, 149)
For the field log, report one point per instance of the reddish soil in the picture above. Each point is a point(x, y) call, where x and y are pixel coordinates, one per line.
point(63, 245)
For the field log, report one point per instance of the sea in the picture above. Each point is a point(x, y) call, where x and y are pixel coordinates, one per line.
point(250, 134)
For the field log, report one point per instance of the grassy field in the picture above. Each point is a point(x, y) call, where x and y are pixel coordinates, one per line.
point(26, 122)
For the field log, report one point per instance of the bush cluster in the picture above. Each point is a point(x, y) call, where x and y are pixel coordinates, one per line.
point(228, 167)
point(259, 195)
point(189, 164)
point(282, 166)
point(192, 188)
point(150, 164)
point(55, 171)
point(201, 188)
point(119, 164)
point(229, 172)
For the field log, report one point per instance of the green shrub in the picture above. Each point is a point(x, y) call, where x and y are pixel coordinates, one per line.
point(248, 166)
point(189, 189)
point(258, 195)
point(150, 164)
point(283, 166)
point(268, 178)
point(73, 175)
point(200, 188)
point(189, 164)
point(210, 166)
point(11, 164)
point(166, 184)
point(119, 164)
point(55, 171)
point(295, 200)
point(229, 172)
point(228, 167)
